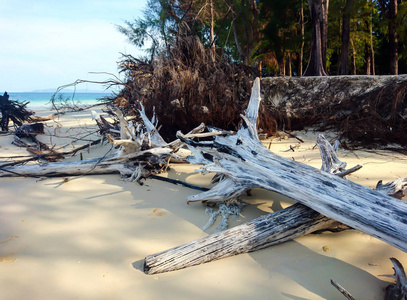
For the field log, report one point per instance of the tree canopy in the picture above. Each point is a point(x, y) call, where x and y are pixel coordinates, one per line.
point(278, 37)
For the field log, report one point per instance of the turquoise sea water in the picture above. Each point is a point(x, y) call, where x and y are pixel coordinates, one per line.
point(42, 100)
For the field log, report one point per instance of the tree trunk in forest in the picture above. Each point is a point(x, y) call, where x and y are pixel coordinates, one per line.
point(319, 16)
point(301, 54)
point(289, 64)
point(371, 44)
point(368, 61)
point(212, 42)
point(238, 46)
point(393, 41)
point(324, 31)
point(353, 69)
point(345, 37)
point(282, 65)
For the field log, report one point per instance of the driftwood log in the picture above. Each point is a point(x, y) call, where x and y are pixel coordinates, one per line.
point(271, 229)
point(141, 152)
point(245, 163)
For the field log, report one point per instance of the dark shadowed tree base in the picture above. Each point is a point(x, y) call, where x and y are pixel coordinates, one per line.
point(366, 111)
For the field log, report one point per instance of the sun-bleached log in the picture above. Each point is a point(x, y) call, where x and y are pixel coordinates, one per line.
point(141, 152)
point(271, 229)
point(260, 233)
point(265, 231)
point(246, 164)
point(125, 165)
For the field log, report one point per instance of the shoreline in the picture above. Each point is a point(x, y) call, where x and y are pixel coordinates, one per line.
point(87, 237)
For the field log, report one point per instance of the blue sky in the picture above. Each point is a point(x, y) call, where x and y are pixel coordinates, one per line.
point(49, 43)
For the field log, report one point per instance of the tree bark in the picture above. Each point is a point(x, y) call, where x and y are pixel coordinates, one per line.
point(324, 31)
point(345, 37)
point(368, 59)
point(282, 65)
point(319, 16)
point(272, 229)
point(238, 46)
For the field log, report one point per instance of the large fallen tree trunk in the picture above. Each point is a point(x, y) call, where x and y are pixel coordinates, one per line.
point(246, 164)
point(271, 229)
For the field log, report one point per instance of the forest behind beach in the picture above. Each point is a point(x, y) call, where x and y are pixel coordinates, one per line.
point(338, 37)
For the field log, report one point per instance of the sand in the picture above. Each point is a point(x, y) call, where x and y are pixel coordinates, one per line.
point(86, 238)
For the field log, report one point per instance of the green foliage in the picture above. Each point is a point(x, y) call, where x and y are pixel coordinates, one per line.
point(251, 31)
point(402, 32)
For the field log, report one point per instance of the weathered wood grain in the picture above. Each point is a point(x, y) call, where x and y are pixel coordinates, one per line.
point(247, 164)
point(271, 229)
point(265, 231)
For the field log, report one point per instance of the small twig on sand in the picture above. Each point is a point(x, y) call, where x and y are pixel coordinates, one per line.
point(179, 182)
point(293, 136)
point(342, 290)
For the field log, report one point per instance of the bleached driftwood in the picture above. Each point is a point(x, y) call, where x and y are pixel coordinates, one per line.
point(125, 165)
point(246, 164)
point(265, 231)
point(262, 232)
point(142, 152)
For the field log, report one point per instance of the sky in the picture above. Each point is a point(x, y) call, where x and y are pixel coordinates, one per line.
point(45, 44)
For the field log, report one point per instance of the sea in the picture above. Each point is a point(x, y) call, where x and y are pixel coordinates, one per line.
point(42, 100)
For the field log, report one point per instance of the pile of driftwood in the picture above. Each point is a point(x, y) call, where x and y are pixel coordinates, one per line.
point(141, 152)
point(240, 162)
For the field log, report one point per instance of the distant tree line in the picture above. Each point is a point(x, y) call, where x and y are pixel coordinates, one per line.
point(290, 37)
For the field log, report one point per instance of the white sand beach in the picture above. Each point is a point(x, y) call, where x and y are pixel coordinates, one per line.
point(86, 237)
